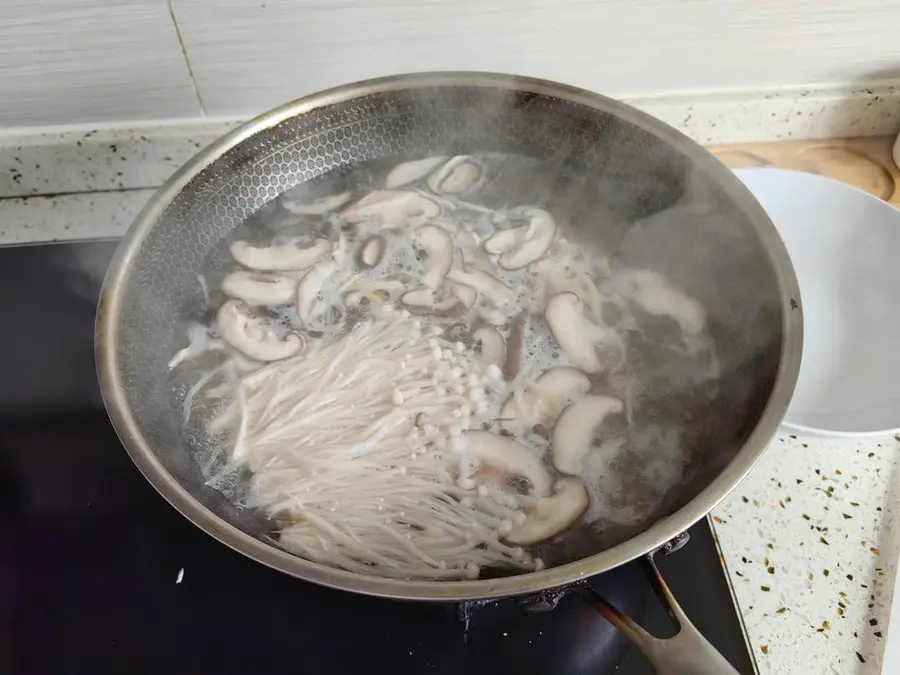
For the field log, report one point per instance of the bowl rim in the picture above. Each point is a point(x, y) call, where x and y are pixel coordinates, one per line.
point(806, 430)
point(855, 193)
point(658, 534)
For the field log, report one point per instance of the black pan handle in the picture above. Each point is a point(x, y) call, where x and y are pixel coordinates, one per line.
point(687, 653)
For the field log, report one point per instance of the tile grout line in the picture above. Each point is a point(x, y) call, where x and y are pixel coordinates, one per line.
point(187, 60)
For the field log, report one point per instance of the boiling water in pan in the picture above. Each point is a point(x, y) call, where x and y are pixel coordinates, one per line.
point(446, 297)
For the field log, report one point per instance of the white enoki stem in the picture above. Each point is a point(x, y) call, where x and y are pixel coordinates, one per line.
point(191, 393)
point(204, 290)
point(199, 342)
point(331, 438)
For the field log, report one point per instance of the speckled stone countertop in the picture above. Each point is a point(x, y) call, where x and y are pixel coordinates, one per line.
point(809, 539)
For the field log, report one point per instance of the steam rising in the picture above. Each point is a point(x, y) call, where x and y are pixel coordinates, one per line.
point(624, 201)
point(632, 315)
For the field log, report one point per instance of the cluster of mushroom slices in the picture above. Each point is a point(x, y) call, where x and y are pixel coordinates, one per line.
point(396, 447)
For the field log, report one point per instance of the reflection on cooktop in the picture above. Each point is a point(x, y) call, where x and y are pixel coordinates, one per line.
point(98, 574)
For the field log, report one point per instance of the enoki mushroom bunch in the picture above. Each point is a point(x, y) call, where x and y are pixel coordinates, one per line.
point(358, 447)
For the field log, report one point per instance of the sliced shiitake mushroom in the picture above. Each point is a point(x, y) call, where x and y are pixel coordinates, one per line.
point(565, 316)
point(371, 251)
point(256, 288)
point(486, 284)
point(425, 299)
point(508, 456)
point(514, 345)
point(520, 246)
point(466, 294)
point(541, 403)
point(284, 257)
point(319, 207)
point(459, 174)
point(252, 337)
point(411, 171)
point(392, 209)
point(573, 436)
point(309, 287)
point(354, 299)
point(655, 295)
point(552, 515)
point(439, 249)
point(493, 346)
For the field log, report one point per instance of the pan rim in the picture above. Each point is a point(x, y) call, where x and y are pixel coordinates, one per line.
point(660, 532)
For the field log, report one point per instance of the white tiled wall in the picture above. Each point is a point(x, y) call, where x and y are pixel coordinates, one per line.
point(69, 61)
point(64, 61)
point(251, 55)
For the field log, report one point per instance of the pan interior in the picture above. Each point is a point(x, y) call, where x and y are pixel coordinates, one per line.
point(615, 185)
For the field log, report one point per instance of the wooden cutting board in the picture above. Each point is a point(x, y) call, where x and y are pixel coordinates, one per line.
point(865, 163)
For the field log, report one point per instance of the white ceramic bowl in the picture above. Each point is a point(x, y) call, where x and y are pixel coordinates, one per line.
point(845, 246)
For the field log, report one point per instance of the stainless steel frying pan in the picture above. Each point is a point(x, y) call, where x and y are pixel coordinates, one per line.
point(647, 194)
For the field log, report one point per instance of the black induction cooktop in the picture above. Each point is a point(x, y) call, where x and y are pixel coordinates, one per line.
point(98, 574)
